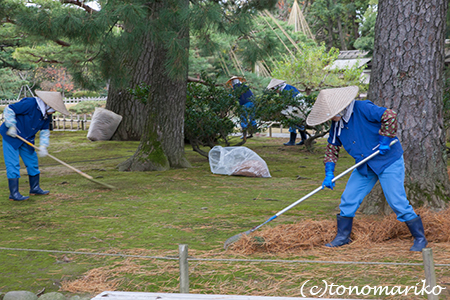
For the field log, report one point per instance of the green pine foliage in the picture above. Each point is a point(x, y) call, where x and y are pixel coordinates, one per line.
point(209, 109)
point(10, 84)
point(366, 40)
point(336, 22)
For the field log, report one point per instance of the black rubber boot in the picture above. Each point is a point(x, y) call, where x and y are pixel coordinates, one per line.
point(416, 227)
point(344, 229)
point(35, 189)
point(14, 194)
point(291, 140)
point(304, 138)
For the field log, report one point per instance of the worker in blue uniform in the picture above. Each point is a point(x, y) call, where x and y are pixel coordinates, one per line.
point(248, 122)
point(280, 86)
point(362, 127)
point(26, 118)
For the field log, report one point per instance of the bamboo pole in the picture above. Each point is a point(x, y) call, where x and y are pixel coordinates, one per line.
point(282, 30)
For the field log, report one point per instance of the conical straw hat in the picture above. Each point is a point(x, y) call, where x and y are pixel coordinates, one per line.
point(329, 103)
point(275, 82)
point(54, 100)
point(241, 79)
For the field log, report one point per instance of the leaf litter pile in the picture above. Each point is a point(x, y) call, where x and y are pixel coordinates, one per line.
point(309, 234)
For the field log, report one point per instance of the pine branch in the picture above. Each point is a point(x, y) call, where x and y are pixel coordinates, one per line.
point(193, 79)
point(41, 59)
point(80, 4)
point(62, 43)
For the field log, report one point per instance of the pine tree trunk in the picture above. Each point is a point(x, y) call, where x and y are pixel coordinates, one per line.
point(133, 111)
point(340, 31)
point(407, 76)
point(160, 122)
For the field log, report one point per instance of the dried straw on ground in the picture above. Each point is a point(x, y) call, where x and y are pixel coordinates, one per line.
point(308, 234)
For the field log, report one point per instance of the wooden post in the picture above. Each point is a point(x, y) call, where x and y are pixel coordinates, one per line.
point(430, 275)
point(184, 268)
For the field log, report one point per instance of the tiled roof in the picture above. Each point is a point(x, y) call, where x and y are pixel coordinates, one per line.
point(352, 54)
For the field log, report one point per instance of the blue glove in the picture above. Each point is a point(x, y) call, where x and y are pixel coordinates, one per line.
point(329, 175)
point(385, 142)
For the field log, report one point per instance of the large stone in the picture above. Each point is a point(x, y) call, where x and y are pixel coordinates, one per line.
point(20, 295)
point(52, 296)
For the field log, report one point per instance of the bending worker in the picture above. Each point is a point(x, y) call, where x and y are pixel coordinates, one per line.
point(280, 86)
point(361, 128)
point(25, 118)
point(245, 100)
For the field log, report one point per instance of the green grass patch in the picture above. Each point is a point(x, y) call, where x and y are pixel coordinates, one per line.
point(153, 212)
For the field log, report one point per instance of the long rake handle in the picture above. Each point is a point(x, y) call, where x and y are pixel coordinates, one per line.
point(319, 188)
point(58, 160)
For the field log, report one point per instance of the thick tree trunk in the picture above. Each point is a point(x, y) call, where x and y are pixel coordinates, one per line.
point(407, 76)
point(159, 123)
point(162, 140)
point(340, 30)
point(133, 111)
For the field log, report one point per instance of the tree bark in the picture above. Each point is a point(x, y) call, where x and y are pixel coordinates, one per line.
point(160, 122)
point(340, 30)
point(133, 111)
point(407, 76)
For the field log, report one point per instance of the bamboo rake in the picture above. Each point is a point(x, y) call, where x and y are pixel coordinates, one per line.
point(67, 165)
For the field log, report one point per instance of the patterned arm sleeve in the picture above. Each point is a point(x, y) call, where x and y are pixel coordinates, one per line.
point(331, 154)
point(389, 123)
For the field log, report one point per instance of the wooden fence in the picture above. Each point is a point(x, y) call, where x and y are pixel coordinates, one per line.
point(69, 123)
point(66, 100)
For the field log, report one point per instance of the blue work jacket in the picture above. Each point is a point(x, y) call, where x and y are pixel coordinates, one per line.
point(360, 137)
point(291, 89)
point(245, 97)
point(29, 121)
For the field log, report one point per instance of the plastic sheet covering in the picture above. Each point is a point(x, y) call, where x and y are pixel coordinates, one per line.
point(239, 161)
point(103, 125)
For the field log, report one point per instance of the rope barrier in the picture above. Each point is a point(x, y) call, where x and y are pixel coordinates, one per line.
point(224, 259)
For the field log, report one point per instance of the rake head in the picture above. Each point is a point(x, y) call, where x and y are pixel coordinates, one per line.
point(235, 238)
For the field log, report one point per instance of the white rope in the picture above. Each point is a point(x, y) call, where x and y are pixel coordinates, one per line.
point(226, 259)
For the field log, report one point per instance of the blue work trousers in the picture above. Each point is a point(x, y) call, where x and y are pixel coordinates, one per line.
point(12, 163)
point(392, 182)
point(247, 116)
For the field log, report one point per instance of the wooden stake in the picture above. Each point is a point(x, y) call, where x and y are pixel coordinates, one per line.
point(184, 268)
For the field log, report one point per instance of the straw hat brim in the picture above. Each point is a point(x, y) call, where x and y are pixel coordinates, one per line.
point(275, 82)
point(54, 100)
point(329, 103)
point(241, 79)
